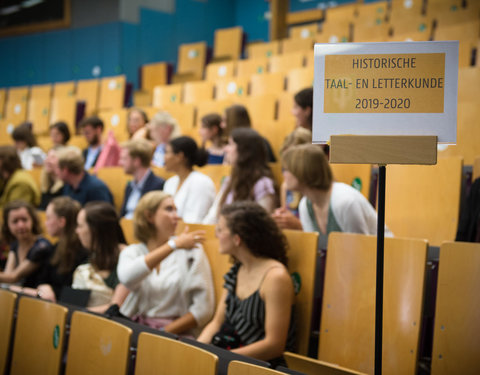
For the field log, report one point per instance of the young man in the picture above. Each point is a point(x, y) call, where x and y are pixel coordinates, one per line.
point(135, 158)
point(92, 129)
point(79, 185)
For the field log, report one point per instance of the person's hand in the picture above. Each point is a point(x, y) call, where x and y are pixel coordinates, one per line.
point(285, 219)
point(45, 291)
point(188, 240)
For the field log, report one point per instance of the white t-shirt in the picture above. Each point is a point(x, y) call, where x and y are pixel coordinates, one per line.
point(194, 198)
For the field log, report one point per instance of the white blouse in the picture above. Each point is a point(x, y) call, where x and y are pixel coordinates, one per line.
point(183, 284)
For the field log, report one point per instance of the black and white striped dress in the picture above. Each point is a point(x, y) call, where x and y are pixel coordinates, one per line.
point(247, 316)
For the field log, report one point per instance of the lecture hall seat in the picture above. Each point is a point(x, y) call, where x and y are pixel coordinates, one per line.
point(97, 346)
point(39, 336)
point(347, 327)
point(162, 355)
point(8, 301)
point(457, 312)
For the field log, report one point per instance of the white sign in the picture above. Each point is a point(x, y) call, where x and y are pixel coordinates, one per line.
point(407, 88)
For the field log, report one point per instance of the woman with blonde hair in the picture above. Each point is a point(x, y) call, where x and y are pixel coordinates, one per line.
point(162, 128)
point(326, 206)
point(169, 277)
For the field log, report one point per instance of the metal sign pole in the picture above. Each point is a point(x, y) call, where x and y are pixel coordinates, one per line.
point(380, 266)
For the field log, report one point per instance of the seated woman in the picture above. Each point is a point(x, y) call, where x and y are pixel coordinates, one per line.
point(28, 250)
point(169, 277)
point(137, 119)
point(326, 206)
point(99, 231)
point(51, 185)
point(254, 316)
point(59, 134)
point(192, 191)
point(236, 116)
point(30, 154)
point(303, 112)
point(251, 177)
point(68, 253)
point(286, 216)
point(15, 183)
point(211, 131)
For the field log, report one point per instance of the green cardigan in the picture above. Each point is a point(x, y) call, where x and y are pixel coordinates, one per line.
point(20, 186)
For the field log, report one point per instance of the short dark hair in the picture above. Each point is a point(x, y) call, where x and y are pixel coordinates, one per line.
point(304, 98)
point(62, 127)
point(10, 161)
point(23, 132)
point(15, 205)
point(93, 121)
point(193, 155)
point(254, 225)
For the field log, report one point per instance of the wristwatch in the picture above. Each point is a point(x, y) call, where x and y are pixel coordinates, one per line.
point(172, 244)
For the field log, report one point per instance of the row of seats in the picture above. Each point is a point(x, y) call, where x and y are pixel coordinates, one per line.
point(347, 321)
point(46, 104)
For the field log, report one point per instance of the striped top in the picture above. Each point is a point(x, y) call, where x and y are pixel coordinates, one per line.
point(247, 316)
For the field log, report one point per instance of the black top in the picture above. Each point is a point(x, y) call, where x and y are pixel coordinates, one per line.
point(49, 273)
point(39, 254)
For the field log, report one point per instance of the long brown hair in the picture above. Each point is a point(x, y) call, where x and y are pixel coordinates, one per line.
point(106, 233)
point(250, 166)
point(68, 244)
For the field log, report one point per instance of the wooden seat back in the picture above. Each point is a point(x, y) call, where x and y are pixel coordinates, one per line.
point(7, 309)
point(97, 346)
point(457, 311)
point(347, 328)
point(162, 355)
point(302, 258)
point(424, 201)
point(39, 336)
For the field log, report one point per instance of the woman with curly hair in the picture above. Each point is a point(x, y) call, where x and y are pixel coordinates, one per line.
point(251, 177)
point(254, 315)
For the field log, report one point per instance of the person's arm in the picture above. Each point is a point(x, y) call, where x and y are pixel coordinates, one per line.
point(182, 324)
point(285, 219)
point(133, 269)
point(214, 326)
point(264, 193)
point(187, 240)
point(277, 292)
point(12, 275)
point(119, 295)
point(268, 202)
point(43, 291)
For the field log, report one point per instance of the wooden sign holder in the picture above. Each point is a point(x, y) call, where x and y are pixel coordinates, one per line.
point(382, 150)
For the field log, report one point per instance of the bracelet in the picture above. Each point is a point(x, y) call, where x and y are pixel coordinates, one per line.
point(172, 244)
